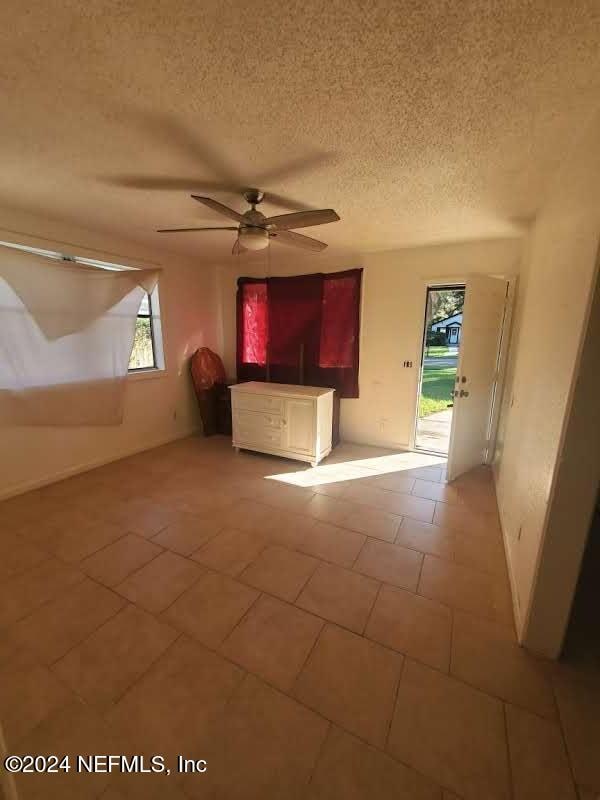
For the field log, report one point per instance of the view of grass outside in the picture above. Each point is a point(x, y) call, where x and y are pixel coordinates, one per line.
point(437, 385)
point(437, 350)
point(438, 378)
point(142, 355)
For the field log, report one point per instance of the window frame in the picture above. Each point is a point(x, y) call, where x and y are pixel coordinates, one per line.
point(156, 317)
point(149, 316)
point(158, 345)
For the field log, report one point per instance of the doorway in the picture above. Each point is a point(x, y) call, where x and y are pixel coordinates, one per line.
point(439, 362)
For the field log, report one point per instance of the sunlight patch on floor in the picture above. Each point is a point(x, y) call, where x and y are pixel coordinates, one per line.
point(358, 468)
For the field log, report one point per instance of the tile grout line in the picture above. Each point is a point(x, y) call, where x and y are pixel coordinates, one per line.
point(511, 779)
point(196, 580)
point(67, 686)
point(451, 659)
point(360, 549)
point(421, 565)
point(563, 735)
point(133, 573)
point(394, 704)
point(305, 584)
point(238, 623)
point(126, 603)
point(294, 686)
point(110, 544)
point(136, 569)
point(47, 664)
point(320, 753)
point(105, 708)
point(370, 614)
point(47, 602)
point(142, 675)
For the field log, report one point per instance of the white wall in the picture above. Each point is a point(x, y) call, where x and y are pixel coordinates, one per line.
point(559, 276)
point(157, 409)
point(393, 309)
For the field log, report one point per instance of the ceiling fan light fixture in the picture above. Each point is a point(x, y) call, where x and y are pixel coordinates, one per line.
point(254, 238)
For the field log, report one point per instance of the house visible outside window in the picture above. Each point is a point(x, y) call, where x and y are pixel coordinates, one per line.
point(147, 352)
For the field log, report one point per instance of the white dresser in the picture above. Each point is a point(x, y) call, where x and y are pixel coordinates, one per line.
point(284, 420)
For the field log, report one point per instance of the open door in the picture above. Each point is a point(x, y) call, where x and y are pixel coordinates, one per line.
point(477, 372)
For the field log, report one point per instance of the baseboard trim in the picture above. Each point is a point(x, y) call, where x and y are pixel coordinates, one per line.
point(511, 577)
point(28, 486)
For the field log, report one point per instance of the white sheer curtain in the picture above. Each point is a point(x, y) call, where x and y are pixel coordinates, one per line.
point(66, 334)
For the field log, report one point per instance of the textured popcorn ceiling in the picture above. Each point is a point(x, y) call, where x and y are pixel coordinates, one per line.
point(418, 122)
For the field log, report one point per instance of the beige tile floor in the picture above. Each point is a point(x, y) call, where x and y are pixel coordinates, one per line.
point(338, 632)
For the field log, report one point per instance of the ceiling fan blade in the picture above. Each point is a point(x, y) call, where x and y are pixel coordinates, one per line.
point(186, 230)
point(172, 184)
point(297, 240)
point(219, 207)
point(302, 219)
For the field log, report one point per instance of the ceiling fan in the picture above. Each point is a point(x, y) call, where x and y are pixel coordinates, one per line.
point(255, 230)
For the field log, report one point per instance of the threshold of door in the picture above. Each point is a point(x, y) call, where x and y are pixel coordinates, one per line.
point(422, 451)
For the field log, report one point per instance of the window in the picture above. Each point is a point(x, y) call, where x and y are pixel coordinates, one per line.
point(254, 323)
point(147, 352)
point(300, 329)
point(339, 322)
point(142, 355)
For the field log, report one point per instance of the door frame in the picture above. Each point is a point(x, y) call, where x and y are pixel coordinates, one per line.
point(439, 282)
point(426, 286)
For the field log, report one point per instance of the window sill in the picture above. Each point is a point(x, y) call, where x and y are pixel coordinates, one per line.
point(146, 374)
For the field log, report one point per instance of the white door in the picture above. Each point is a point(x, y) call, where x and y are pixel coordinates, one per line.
point(481, 333)
point(299, 419)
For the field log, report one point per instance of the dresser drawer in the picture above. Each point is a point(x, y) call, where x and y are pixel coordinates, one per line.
point(258, 402)
point(257, 429)
point(258, 419)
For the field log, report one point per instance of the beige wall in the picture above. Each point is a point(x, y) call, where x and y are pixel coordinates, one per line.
point(393, 308)
point(157, 409)
point(552, 313)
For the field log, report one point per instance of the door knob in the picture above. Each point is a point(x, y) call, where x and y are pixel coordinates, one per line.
point(463, 393)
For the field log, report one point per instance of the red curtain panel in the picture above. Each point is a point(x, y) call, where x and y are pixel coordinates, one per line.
point(254, 322)
point(300, 329)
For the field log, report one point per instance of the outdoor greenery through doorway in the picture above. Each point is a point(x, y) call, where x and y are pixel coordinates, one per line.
point(438, 378)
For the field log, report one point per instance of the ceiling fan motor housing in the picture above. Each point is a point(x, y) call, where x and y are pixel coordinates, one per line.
point(254, 217)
